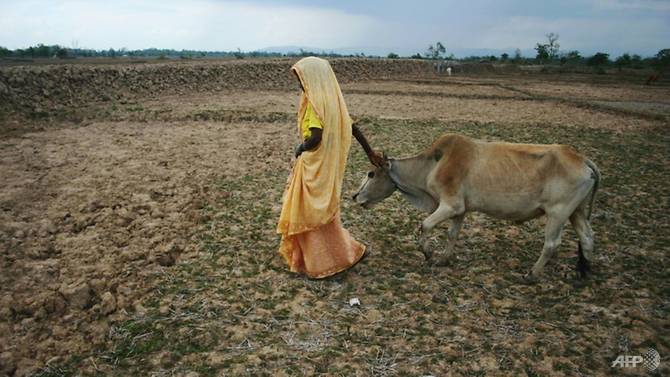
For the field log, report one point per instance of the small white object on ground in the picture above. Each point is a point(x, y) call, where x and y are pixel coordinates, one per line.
point(354, 301)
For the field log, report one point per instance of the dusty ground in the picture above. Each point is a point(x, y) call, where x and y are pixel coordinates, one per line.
point(141, 240)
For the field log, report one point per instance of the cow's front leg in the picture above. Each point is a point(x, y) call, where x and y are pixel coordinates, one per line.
point(423, 243)
point(443, 212)
point(454, 229)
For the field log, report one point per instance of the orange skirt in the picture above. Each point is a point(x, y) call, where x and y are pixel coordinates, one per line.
point(321, 252)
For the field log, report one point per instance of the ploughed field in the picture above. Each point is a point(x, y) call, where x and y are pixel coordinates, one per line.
point(137, 233)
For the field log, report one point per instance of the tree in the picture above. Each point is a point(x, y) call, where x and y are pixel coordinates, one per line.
point(598, 60)
point(548, 51)
point(542, 52)
point(552, 45)
point(42, 51)
point(662, 59)
point(393, 55)
point(5, 51)
point(61, 52)
point(517, 56)
point(439, 47)
point(504, 57)
point(623, 61)
point(571, 57)
point(434, 52)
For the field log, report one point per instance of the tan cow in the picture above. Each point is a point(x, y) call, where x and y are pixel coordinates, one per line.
point(516, 182)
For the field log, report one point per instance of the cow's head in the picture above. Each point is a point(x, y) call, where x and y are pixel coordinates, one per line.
point(376, 187)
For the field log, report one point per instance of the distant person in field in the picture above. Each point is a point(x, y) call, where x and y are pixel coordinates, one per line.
point(313, 240)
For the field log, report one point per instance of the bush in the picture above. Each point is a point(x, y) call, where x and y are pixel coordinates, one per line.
point(61, 53)
point(598, 60)
point(662, 59)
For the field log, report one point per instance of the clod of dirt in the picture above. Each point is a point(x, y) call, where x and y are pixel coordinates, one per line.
point(98, 286)
point(140, 310)
point(77, 295)
point(26, 367)
point(7, 366)
point(108, 303)
point(46, 228)
point(170, 254)
point(54, 303)
point(167, 260)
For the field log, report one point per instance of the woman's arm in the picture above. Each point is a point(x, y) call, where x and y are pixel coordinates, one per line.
point(374, 157)
point(315, 139)
point(311, 142)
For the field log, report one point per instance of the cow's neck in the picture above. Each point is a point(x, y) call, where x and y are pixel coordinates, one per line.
point(410, 177)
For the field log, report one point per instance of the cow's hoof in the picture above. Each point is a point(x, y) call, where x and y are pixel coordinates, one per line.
point(529, 279)
point(583, 268)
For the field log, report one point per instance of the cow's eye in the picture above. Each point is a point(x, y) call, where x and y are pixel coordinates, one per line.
point(371, 174)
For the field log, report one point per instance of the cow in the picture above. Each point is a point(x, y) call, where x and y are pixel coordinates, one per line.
point(458, 174)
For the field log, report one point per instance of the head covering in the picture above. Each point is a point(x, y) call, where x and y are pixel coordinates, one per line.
point(313, 192)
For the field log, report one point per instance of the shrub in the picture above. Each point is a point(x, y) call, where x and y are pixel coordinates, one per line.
point(598, 60)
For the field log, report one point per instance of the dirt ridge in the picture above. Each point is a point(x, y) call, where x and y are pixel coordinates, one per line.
point(40, 91)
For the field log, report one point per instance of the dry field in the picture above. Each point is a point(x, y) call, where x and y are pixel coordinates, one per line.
point(137, 237)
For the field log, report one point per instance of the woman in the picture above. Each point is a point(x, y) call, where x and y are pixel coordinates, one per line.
point(313, 239)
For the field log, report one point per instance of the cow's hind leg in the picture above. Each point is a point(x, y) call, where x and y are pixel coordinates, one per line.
point(443, 212)
point(585, 250)
point(552, 239)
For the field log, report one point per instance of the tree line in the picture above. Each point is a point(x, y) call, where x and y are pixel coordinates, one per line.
point(56, 51)
point(549, 52)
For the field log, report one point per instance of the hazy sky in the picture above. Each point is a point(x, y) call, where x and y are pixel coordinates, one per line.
point(375, 26)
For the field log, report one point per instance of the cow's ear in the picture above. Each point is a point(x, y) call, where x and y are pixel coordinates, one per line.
point(386, 163)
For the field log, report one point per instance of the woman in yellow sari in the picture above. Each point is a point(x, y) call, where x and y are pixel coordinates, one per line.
point(313, 240)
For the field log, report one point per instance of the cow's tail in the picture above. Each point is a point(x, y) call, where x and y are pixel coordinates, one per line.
point(595, 173)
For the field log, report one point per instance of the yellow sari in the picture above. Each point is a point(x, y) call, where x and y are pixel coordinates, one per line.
point(313, 240)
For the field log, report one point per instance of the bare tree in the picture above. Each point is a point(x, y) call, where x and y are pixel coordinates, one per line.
point(552, 46)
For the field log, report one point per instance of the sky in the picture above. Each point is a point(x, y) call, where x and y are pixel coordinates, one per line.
point(373, 27)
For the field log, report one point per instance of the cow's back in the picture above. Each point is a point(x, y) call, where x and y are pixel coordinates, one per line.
point(497, 178)
point(514, 166)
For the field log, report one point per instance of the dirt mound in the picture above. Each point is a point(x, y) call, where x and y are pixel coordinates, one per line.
point(40, 91)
